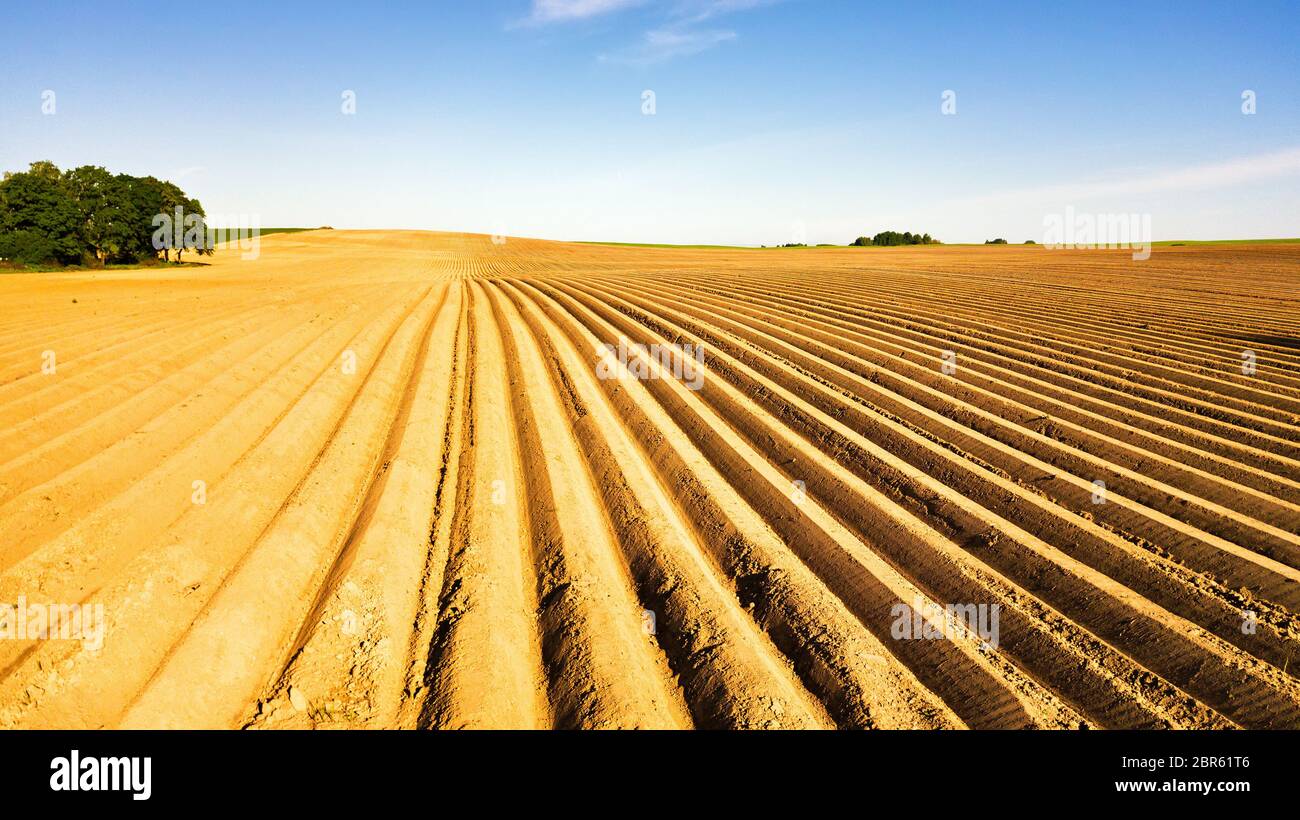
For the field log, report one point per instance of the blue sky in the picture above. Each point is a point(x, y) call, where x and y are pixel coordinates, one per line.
point(774, 121)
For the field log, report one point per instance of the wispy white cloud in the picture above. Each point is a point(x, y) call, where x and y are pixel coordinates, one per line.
point(696, 11)
point(689, 11)
point(1228, 173)
point(679, 35)
point(558, 11)
point(659, 45)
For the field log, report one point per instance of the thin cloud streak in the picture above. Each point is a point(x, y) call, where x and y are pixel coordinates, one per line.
point(697, 11)
point(1229, 173)
point(659, 45)
point(679, 36)
point(559, 11)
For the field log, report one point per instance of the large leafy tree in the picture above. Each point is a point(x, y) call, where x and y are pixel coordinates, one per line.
point(39, 221)
point(145, 197)
point(190, 230)
point(47, 216)
point(108, 219)
point(185, 221)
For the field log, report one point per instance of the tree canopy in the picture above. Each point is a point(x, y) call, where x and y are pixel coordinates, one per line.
point(89, 215)
point(895, 238)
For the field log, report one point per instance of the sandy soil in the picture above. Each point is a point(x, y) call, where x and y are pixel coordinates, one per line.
point(422, 505)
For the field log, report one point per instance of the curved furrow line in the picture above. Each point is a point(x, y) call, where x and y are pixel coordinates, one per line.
point(731, 675)
point(832, 390)
point(128, 471)
point(154, 573)
point(604, 670)
point(887, 356)
point(1057, 440)
point(248, 623)
point(1105, 336)
point(137, 416)
point(1278, 429)
point(974, 685)
point(485, 666)
point(350, 664)
point(82, 378)
point(1169, 646)
point(20, 343)
point(423, 480)
point(1173, 306)
point(1038, 638)
point(115, 353)
point(955, 412)
point(76, 405)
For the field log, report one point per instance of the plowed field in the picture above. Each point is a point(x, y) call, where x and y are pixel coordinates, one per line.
point(394, 480)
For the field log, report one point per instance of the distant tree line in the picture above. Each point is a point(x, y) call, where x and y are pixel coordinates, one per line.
point(998, 241)
point(895, 238)
point(90, 216)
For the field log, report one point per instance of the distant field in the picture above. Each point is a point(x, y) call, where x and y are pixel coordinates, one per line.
point(268, 231)
point(1169, 242)
point(666, 245)
point(265, 231)
point(410, 479)
point(1161, 243)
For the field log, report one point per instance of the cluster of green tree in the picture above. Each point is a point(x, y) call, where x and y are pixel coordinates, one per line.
point(998, 241)
point(895, 238)
point(90, 216)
